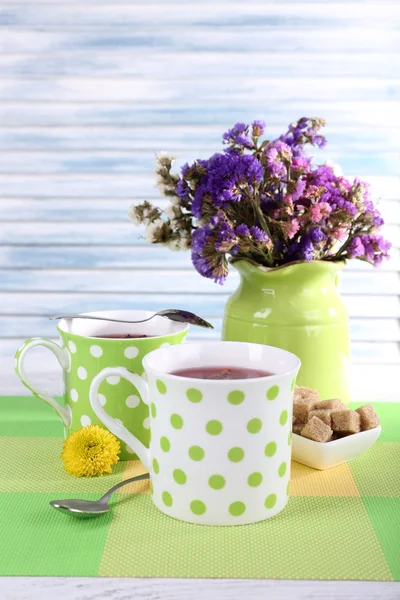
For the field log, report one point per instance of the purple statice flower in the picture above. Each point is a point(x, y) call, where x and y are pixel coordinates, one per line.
point(278, 156)
point(258, 128)
point(376, 247)
point(377, 220)
point(242, 230)
point(225, 174)
point(317, 235)
point(225, 237)
point(355, 248)
point(323, 174)
point(300, 164)
point(185, 169)
point(346, 206)
point(297, 132)
point(210, 244)
point(232, 150)
point(238, 136)
point(182, 189)
point(317, 140)
point(299, 189)
point(258, 234)
point(199, 239)
point(302, 249)
point(373, 248)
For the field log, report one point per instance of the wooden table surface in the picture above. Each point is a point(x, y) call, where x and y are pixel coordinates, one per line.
point(63, 588)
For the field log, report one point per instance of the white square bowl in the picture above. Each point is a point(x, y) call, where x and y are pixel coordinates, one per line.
point(331, 454)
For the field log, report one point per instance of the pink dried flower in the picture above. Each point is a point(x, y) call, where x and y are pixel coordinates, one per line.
point(339, 234)
point(319, 211)
point(290, 228)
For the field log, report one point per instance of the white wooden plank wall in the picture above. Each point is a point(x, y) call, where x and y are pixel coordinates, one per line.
point(91, 89)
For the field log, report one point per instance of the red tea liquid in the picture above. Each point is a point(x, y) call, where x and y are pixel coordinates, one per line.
point(123, 336)
point(220, 373)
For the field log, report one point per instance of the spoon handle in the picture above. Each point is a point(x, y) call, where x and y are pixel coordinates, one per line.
point(110, 492)
point(95, 318)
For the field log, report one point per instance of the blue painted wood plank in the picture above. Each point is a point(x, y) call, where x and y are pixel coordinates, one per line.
point(210, 305)
point(166, 281)
point(188, 140)
point(341, 114)
point(122, 257)
point(49, 303)
point(350, 39)
point(131, 89)
point(173, 65)
point(104, 163)
point(370, 330)
point(249, 14)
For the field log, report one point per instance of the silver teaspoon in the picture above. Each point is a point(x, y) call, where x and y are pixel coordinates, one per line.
point(93, 507)
point(174, 314)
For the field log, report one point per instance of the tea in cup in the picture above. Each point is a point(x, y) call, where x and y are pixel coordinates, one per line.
point(88, 347)
point(220, 447)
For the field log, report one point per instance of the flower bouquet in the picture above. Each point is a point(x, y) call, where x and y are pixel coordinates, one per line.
point(264, 201)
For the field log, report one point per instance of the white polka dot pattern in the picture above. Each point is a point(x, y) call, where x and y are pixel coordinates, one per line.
point(96, 351)
point(131, 352)
point(132, 401)
point(85, 421)
point(82, 373)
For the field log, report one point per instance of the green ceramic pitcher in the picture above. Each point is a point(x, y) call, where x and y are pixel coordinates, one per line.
point(296, 307)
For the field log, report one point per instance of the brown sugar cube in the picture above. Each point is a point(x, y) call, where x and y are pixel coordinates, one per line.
point(301, 410)
point(317, 430)
point(334, 437)
point(333, 404)
point(345, 421)
point(294, 420)
point(301, 393)
point(298, 428)
point(304, 400)
point(321, 413)
point(369, 418)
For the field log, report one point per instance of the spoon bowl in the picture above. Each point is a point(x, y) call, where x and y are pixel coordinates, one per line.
point(87, 507)
point(93, 508)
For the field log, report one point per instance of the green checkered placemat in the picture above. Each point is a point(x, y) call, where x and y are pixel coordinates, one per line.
point(343, 523)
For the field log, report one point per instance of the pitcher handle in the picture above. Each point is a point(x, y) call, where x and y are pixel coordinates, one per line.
point(64, 359)
point(116, 428)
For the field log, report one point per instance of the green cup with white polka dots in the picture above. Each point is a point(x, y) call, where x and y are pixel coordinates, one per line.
point(85, 351)
point(220, 449)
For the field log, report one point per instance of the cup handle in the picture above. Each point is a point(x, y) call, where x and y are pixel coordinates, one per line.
point(116, 428)
point(62, 355)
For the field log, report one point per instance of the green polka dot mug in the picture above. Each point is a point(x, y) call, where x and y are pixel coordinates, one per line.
point(220, 449)
point(84, 353)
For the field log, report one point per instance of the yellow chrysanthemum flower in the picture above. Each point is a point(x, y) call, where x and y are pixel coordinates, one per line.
point(90, 451)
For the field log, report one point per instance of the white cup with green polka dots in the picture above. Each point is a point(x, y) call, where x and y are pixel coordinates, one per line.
point(82, 355)
point(220, 449)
